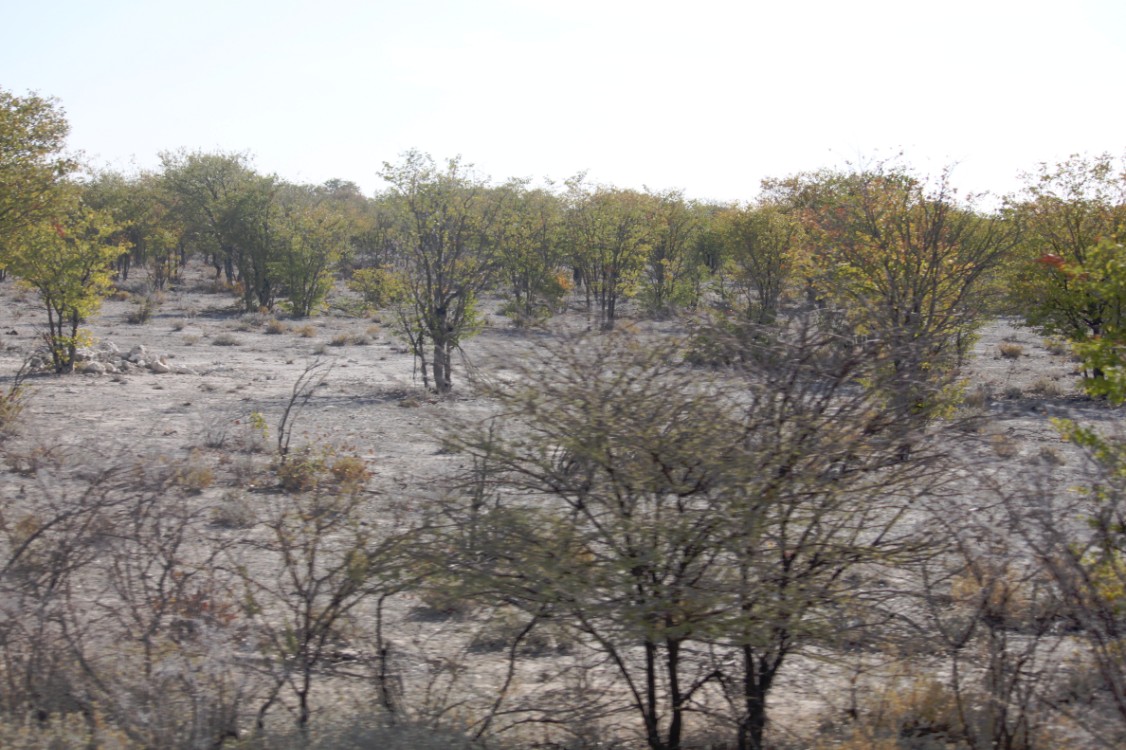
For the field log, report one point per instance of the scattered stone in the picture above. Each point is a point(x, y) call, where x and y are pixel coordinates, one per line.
point(93, 367)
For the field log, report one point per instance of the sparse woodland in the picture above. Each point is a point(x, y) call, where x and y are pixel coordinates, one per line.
point(715, 476)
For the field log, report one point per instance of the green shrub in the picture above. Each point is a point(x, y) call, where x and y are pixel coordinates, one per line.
point(379, 287)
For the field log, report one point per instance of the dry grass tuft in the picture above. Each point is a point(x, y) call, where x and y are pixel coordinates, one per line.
point(1010, 351)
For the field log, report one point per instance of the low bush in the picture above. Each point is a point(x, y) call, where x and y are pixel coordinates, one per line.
point(1010, 351)
point(225, 339)
point(234, 511)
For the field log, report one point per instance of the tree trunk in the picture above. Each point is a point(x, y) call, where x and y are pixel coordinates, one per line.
point(756, 684)
point(443, 380)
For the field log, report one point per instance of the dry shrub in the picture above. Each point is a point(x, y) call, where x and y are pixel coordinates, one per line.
point(1057, 346)
point(234, 511)
point(1046, 388)
point(441, 598)
point(1003, 596)
point(195, 475)
point(501, 631)
point(1010, 350)
point(350, 339)
point(306, 331)
point(1051, 456)
point(309, 469)
point(919, 712)
point(275, 327)
point(364, 733)
point(1003, 445)
point(146, 306)
point(922, 713)
point(31, 459)
point(978, 398)
point(11, 406)
point(225, 339)
point(349, 473)
point(300, 472)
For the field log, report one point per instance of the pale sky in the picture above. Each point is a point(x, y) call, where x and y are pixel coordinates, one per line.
point(708, 96)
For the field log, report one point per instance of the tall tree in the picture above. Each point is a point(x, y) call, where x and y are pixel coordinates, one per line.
point(668, 514)
point(529, 252)
point(230, 213)
point(609, 234)
point(445, 233)
point(143, 211)
point(760, 246)
point(311, 238)
point(901, 260)
point(672, 267)
point(67, 260)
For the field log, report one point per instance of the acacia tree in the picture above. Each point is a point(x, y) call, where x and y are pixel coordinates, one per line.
point(447, 219)
point(68, 261)
point(692, 527)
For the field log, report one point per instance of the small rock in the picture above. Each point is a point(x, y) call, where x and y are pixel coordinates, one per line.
point(94, 368)
point(159, 367)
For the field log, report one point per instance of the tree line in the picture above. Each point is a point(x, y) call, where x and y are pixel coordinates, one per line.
point(883, 248)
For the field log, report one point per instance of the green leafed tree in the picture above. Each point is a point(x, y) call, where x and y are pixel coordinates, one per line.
point(609, 234)
point(68, 262)
point(446, 227)
point(760, 251)
point(530, 261)
point(1065, 278)
point(143, 211)
point(673, 267)
point(694, 528)
point(310, 239)
point(33, 133)
point(902, 260)
point(231, 214)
